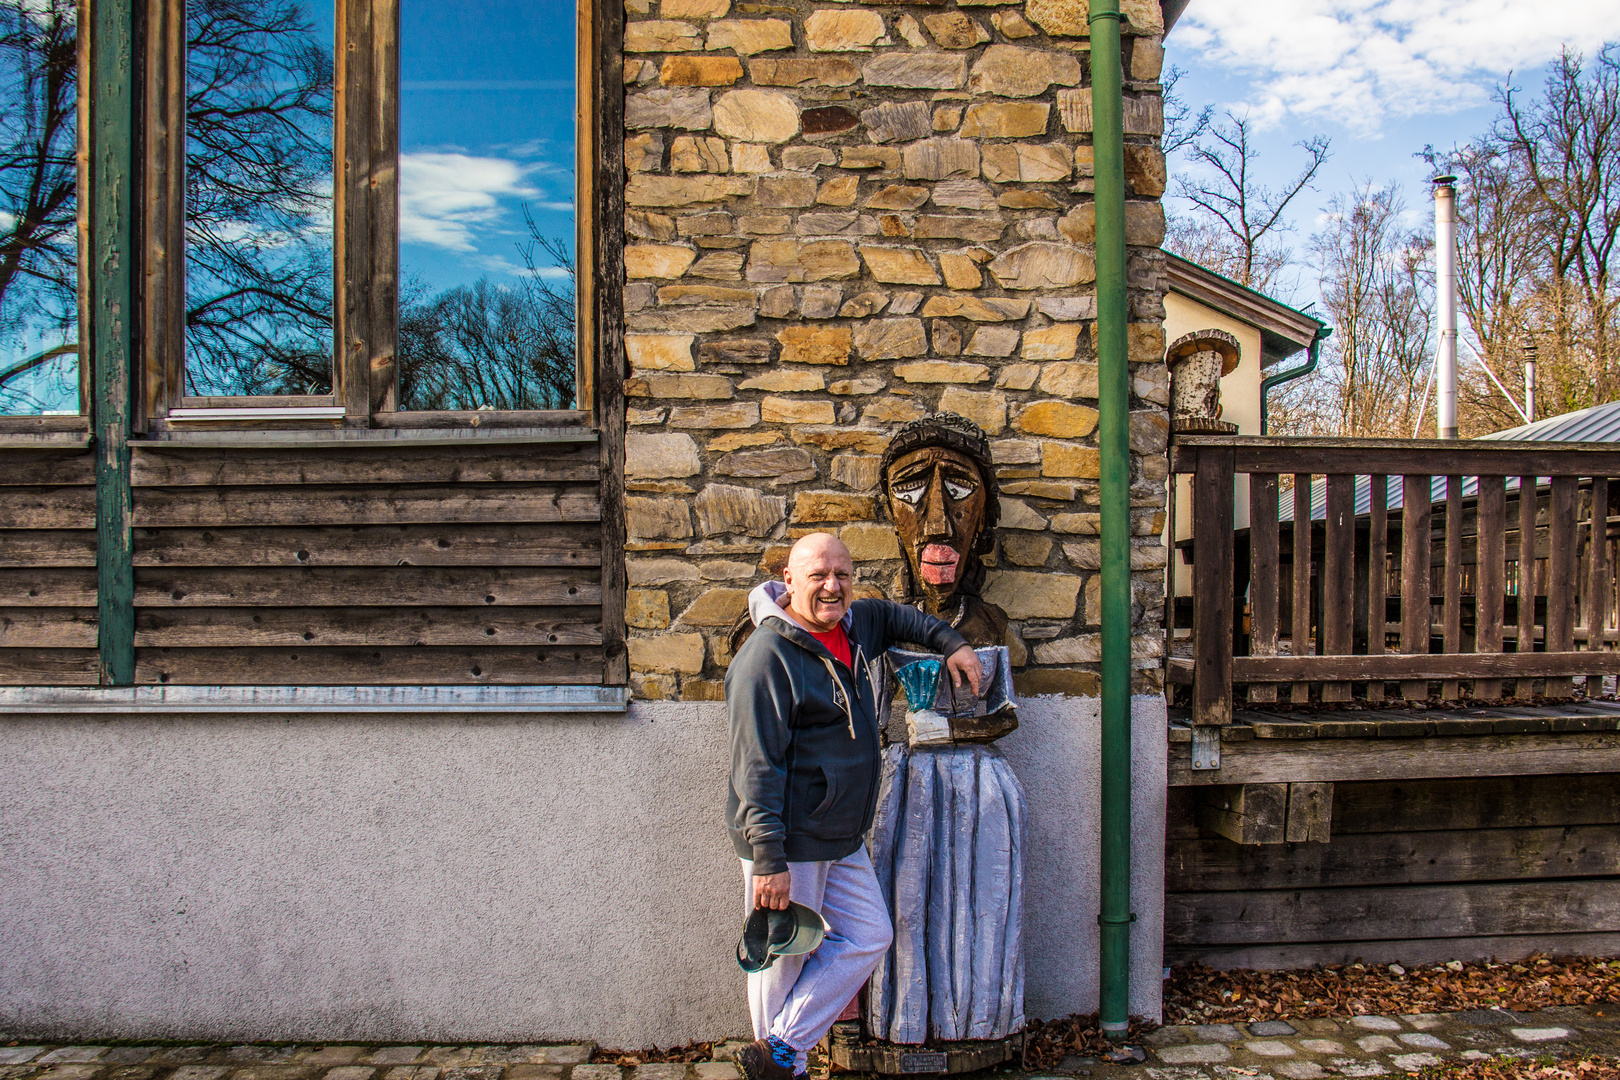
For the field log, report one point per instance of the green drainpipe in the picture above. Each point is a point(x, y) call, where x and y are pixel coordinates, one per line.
point(1322, 334)
point(1108, 151)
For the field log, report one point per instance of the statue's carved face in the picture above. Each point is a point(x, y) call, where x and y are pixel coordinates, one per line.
point(937, 501)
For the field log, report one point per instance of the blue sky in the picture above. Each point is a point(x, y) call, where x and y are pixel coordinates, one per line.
point(486, 126)
point(1380, 78)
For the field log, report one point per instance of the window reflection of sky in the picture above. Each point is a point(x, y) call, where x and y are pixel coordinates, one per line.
point(486, 128)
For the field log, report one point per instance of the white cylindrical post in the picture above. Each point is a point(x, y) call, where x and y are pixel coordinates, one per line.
point(1445, 299)
point(1530, 387)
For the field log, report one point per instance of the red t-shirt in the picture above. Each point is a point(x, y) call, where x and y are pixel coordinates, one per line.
point(837, 643)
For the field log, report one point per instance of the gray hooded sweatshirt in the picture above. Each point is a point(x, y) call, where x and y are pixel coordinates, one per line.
point(804, 730)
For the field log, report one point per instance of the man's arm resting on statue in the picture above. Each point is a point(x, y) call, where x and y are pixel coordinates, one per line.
point(905, 623)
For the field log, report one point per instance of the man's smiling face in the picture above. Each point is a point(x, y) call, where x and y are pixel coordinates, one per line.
point(820, 577)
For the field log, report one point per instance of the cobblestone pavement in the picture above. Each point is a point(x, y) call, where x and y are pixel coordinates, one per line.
point(1362, 1046)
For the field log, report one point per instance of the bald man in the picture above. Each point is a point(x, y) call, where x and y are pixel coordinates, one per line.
point(803, 704)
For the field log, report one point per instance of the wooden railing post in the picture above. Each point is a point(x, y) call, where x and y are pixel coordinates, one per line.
point(1522, 688)
point(1490, 567)
point(1300, 636)
point(1377, 573)
point(1598, 582)
point(1561, 538)
point(1338, 576)
point(1263, 583)
point(1415, 520)
point(1212, 600)
point(1451, 582)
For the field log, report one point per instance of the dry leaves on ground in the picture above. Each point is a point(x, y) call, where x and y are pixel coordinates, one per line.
point(1048, 1042)
point(1197, 994)
point(1586, 1067)
point(694, 1051)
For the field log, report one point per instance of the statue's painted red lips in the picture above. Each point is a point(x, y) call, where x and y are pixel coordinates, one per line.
point(939, 564)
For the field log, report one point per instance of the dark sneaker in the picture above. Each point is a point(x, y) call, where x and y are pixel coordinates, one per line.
point(756, 1063)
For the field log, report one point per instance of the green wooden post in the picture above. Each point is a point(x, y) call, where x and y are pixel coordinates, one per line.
point(112, 262)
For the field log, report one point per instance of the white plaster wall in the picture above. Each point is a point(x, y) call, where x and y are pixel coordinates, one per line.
point(517, 878)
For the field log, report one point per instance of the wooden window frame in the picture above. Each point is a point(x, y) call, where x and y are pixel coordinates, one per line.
point(366, 238)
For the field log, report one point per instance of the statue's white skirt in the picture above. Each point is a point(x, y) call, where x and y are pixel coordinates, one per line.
point(948, 844)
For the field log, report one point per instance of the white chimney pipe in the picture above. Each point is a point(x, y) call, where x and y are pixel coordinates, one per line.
point(1530, 383)
point(1445, 294)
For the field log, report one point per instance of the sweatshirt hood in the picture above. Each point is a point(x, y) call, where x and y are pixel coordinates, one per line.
point(764, 602)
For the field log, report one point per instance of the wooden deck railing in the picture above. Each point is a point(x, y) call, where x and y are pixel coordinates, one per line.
point(1452, 571)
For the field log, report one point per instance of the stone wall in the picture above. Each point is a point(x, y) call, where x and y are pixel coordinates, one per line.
point(842, 217)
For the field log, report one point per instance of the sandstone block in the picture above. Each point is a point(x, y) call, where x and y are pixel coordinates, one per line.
point(1088, 524)
point(661, 36)
point(734, 440)
point(646, 190)
point(904, 303)
point(700, 70)
point(980, 309)
point(892, 409)
point(899, 266)
point(680, 654)
point(1067, 459)
point(1012, 25)
point(858, 471)
point(960, 271)
point(793, 260)
point(749, 36)
point(716, 607)
point(869, 157)
point(713, 223)
point(643, 152)
point(737, 351)
point(988, 409)
point(889, 339)
point(833, 506)
point(1150, 433)
point(797, 72)
point(1012, 120)
point(759, 116)
point(1056, 342)
point(781, 410)
point(693, 9)
point(1041, 264)
point(940, 158)
point(657, 260)
point(1007, 163)
point(701, 155)
point(1144, 224)
point(657, 519)
point(897, 197)
point(1060, 18)
point(725, 570)
point(646, 609)
point(916, 71)
point(1024, 594)
point(1016, 514)
point(954, 30)
point(700, 319)
point(855, 387)
point(764, 224)
point(942, 371)
point(959, 227)
point(1059, 419)
point(963, 195)
point(866, 440)
point(1069, 380)
point(836, 223)
point(993, 340)
point(660, 352)
point(660, 456)
point(839, 191)
point(786, 191)
point(1151, 382)
point(897, 120)
point(947, 117)
point(781, 465)
point(1018, 376)
point(726, 508)
point(1066, 682)
point(645, 225)
point(692, 690)
point(1144, 16)
point(719, 266)
point(1145, 343)
point(688, 109)
point(843, 30)
point(1027, 200)
point(910, 31)
point(807, 158)
point(815, 344)
point(785, 381)
point(1143, 115)
point(750, 158)
point(870, 543)
point(828, 120)
point(820, 301)
point(1067, 308)
point(1011, 71)
point(1145, 170)
point(737, 414)
point(658, 571)
point(666, 385)
point(1025, 549)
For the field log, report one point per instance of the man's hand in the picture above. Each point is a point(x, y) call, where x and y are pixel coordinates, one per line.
point(771, 891)
point(964, 664)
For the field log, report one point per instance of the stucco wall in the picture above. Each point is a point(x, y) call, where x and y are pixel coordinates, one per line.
point(241, 877)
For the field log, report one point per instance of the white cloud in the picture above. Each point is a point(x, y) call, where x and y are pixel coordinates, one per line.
point(444, 197)
point(1360, 61)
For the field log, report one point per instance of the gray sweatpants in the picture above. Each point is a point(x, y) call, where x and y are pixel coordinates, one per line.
point(798, 997)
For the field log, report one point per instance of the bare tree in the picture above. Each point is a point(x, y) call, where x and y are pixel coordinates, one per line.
point(1237, 224)
point(1182, 126)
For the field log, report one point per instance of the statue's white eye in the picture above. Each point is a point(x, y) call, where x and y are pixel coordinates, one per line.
point(959, 490)
point(911, 492)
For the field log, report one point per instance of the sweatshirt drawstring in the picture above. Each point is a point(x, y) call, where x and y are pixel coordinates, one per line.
point(848, 712)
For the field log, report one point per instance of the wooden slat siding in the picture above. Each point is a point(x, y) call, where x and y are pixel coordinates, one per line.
point(49, 667)
point(1597, 587)
point(157, 466)
point(46, 468)
point(47, 547)
point(1451, 610)
point(1280, 761)
point(48, 627)
point(1561, 581)
point(1526, 598)
point(1338, 576)
point(1396, 858)
point(1404, 951)
point(59, 587)
point(1377, 574)
point(1420, 667)
point(1487, 802)
point(47, 507)
point(1363, 914)
point(1300, 636)
point(1263, 582)
point(390, 545)
point(1491, 568)
point(437, 586)
point(366, 665)
point(301, 626)
point(1212, 585)
point(1415, 520)
point(360, 505)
